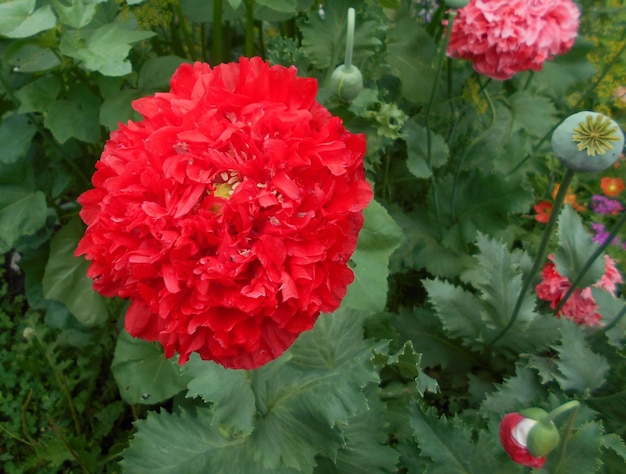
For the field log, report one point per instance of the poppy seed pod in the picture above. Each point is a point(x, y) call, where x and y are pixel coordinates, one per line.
point(588, 141)
point(346, 82)
point(543, 437)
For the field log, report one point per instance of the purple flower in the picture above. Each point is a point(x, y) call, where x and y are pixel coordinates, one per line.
point(604, 205)
point(601, 234)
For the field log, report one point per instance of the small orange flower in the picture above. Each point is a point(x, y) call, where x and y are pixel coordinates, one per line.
point(543, 210)
point(612, 186)
point(570, 198)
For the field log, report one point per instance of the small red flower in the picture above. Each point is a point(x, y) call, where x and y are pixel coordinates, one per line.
point(581, 306)
point(228, 214)
point(514, 430)
point(612, 186)
point(543, 210)
point(504, 37)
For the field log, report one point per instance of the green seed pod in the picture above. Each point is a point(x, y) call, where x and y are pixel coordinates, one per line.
point(588, 141)
point(457, 3)
point(346, 82)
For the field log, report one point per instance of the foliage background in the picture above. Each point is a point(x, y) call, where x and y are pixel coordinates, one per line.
point(415, 370)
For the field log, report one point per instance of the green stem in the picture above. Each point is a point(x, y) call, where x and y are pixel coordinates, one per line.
point(541, 255)
point(566, 433)
point(592, 258)
point(182, 24)
point(466, 151)
point(67, 445)
point(349, 40)
point(216, 51)
point(248, 48)
point(429, 108)
point(562, 409)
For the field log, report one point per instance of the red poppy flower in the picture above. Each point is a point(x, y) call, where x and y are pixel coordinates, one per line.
point(543, 210)
point(228, 215)
point(514, 430)
point(612, 186)
point(504, 37)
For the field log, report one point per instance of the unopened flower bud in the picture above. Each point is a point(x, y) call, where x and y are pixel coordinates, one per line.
point(543, 437)
point(588, 141)
point(28, 334)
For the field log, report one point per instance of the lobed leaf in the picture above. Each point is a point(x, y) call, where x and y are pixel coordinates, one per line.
point(22, 212)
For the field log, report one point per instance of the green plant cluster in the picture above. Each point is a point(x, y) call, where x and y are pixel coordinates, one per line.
point(433, 343)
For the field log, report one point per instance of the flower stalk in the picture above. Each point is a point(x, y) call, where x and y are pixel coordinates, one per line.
point(541, 254)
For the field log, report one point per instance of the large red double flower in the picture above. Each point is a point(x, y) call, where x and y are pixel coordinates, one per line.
point(228, 215)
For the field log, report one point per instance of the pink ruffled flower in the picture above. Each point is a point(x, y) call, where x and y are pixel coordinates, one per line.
point(581, 307)
point(504, 37)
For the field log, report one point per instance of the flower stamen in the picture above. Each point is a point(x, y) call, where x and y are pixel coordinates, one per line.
point(595, 134)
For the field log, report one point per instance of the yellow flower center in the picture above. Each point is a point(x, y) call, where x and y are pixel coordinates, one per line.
point(596, 134)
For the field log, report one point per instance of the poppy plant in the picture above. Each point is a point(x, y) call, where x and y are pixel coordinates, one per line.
point(228, 214)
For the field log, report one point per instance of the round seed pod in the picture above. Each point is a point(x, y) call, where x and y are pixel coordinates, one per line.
point(346, 82)
point(588, 141)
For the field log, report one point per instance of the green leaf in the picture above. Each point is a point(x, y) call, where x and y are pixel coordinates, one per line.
point(19, 19)
point(33, 58)
point(77, 117)
point(460, 311)
point(424, 329)
point(188, 443)
point(364, 451)
point(228, 390)
point(449, 446)
point(582, 370)
point(118, 108)
point(423, 247)
point(532, 113)
point(156, 73)
point(302, 400)
point(613, 442)
point(609, 307)
point(78, 13)
point(105, 50)
point(65, 278)
point(417, 150)
point(483, 202)
point(22, 212)
point(285, 6)
point(37, 95)
point(142, 372)
point(582, 453)
point(378, 239)
point(575, 247)
point(411, 56)
point(16, 134)
point(517, 392)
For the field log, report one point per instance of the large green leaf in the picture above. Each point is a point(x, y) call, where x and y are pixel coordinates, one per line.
point(417, 150)
point(516, 392)
point(65, 278)
point(19, 19)
point(37, 95)
point(22, 212)
point(378, 239)
point(30, 57)
point(411, 55)
point(581, 454)
point(575, 248)
point(300, 402)
point(228, 390)
point(142, 372)
point(188, 442)
point(105, 50)
point(77, 13)
point(581, 370)
point(76, 117)
point(532, 113)
point(16, 134)
point(364, 451)
point(450, 445)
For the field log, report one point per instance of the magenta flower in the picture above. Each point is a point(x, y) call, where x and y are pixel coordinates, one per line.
point(604, 205)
